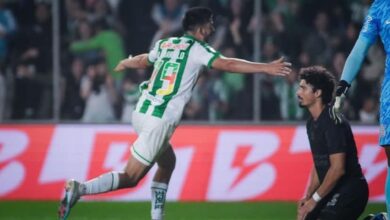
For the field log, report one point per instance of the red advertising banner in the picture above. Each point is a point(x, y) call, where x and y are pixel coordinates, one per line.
point(214, 163)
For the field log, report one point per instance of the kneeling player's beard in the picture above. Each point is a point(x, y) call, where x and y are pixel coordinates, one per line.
point(300, 102)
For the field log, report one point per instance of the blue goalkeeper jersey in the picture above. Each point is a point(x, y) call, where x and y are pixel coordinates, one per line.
point(377, 22)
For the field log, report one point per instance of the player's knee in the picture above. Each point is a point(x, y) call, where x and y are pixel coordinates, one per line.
point(132, 179)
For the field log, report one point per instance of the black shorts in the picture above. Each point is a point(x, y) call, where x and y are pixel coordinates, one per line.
point(346, 202)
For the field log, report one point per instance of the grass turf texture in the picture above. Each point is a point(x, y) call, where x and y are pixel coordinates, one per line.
point(31, 210)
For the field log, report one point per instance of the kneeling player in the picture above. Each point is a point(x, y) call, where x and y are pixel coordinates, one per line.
point(337, 189)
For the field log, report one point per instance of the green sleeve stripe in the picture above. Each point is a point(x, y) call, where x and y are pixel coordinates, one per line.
point(149, 61)
point(211, 61)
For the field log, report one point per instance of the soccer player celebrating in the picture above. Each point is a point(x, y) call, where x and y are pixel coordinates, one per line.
point(177, 62)
point(337, 189)
point(377, 22)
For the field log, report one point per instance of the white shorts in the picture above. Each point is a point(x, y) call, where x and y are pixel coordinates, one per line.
point(153, 137)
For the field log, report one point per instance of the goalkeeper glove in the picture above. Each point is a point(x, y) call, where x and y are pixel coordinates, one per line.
point(341, 91)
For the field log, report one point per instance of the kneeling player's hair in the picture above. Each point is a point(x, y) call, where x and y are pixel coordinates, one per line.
point(196, 16)
point(319, 78)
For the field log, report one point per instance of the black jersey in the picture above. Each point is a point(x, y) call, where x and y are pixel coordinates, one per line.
point(328, 138)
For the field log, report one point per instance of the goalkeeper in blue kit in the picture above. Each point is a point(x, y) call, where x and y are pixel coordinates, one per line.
point(377, 22)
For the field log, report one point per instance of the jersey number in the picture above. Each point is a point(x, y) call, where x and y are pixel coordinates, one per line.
point(168, 78)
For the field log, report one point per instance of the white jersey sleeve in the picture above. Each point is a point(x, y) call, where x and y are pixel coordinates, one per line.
point(152, 56)
point(206, 54)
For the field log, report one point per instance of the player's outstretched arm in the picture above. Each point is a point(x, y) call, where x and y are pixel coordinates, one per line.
point(351, 68)
point(278, 67)
point(137, 62)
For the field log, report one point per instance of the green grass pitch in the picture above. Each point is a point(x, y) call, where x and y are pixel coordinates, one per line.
point(34, 210)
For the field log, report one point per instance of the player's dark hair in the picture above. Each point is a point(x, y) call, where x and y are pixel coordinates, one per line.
point(319, 78)
point(195, 17)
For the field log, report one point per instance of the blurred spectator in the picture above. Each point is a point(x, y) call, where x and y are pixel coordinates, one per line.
point(84, 33)
point(286, 89)
point(349, 109)
point(130, 95)
point(270, 103)
point(109, 42)
point(2, 96)
point(101, 10)
point(369, 112)
point(75, 11)
point(303, 59)
point(349, 37)
point(270, 50)
point(196, 108)
point(92, 11)
point(219, 7)
point(217, 97)
point(368, 81)
point(27, 92)
point(137, 37)
point(338, 63)
point(372, 71)
point(35, 43)
point(287, 31)
point(168, 16)
point(359, 9)
point(7, 26)
point(235, 85)
point(32, 46)
point(337, 11)
point(317, 44)
point(235, 27)
point(238, 34)
point(22, 11)
point(73, 104)
point(97, 89)
point(141, 75)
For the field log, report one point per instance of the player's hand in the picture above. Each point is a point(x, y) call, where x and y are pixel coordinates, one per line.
point(279, 67)
point(120, 67)
point(122, 64)
point(341, 91)
point(302, 202)
point(307, 207)
point(336, 113)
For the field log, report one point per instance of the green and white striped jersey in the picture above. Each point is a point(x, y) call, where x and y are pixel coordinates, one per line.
point(177, 62)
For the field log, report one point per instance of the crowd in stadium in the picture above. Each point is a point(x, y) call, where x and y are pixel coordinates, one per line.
point(96, 34)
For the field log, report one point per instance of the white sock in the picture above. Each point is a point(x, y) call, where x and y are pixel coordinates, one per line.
point(104, 183)
point(159, 192)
